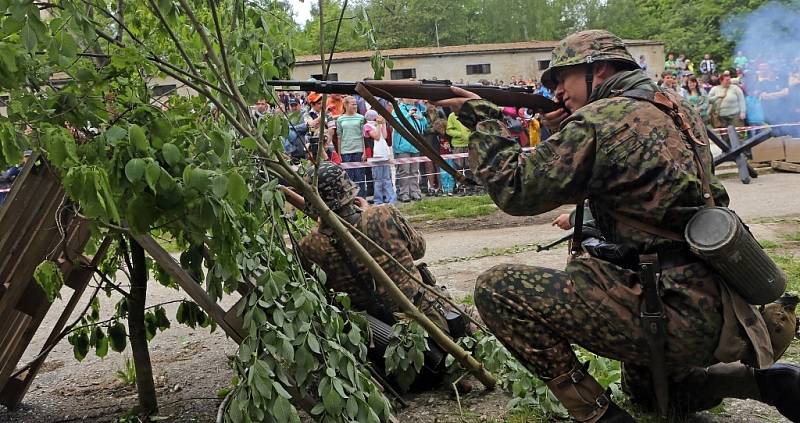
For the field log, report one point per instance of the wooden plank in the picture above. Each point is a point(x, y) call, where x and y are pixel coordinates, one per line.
point(15, 389)
point(195, 291)
point(786, 166)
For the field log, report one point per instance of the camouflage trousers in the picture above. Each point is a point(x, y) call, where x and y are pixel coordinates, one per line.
point(537, 313)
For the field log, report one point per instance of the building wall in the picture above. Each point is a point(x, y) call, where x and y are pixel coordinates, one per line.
point(454, 67)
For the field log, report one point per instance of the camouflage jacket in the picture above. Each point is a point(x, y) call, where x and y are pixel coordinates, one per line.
point(627, 157)
point(385, 225)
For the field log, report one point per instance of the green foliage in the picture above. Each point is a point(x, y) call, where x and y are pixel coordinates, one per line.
point(528, 391)
point(693, 29)
point(791, 265)
point(127, 374)
point(405, 353)
point(49, 277)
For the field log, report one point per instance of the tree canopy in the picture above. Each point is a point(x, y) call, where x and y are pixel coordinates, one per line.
point(691, 28)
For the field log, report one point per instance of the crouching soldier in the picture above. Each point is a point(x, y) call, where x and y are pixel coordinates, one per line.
point(391, 231)
point(641, 157)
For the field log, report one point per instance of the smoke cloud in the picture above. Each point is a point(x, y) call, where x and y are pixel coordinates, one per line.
point(769, 38)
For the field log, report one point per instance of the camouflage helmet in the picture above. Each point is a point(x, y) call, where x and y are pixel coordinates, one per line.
point(335, 187)
point(587, 47)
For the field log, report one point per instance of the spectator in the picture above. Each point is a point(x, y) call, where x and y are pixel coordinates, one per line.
point(336, 106)
point(697, 97)
point(295, 142)
point(740, 61)
point(434, 114)
point(459, 143)
point(375, 128)
point(772, 91)
point(642, 63)
point(408, 173)
point(447, 181)
point(727, 104)
point(8, 177)
point(349, 130)
point(261, 109)
point(707, 67)
point(681, 64)
point(671, 65)
point(669, 82)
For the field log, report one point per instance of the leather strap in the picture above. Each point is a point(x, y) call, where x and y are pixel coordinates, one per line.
point(577, 231)
point(646, 227)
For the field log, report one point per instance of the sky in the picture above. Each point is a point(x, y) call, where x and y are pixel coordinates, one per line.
point(302, 10)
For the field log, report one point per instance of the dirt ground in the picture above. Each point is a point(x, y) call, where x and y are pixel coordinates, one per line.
point(191, 365)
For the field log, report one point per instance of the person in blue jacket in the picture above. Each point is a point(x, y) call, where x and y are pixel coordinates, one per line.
point(407, 182)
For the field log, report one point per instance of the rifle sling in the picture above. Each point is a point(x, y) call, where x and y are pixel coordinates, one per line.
point(406, 130)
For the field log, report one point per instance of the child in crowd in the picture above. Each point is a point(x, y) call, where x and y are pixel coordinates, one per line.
point(375, 128)
point(446, 180)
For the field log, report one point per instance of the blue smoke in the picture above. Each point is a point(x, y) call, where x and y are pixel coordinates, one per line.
point(770, 39)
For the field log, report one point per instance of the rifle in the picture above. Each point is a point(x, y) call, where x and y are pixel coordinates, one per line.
point(425, 89)
point(429, 90)
point(565, 238)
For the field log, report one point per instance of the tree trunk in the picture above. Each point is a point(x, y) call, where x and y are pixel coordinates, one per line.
point(136, 331)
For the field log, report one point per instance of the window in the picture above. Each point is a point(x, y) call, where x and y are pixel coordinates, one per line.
point(331, 76)
point(164, 90)
point(3, 101)
point(543, 64)
point(403, 73)
point(481, 69)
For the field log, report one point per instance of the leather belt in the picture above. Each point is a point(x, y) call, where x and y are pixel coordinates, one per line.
point(675, 258)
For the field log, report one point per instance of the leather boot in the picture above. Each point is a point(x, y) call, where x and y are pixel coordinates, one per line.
point(585, 399)
point(779, 386)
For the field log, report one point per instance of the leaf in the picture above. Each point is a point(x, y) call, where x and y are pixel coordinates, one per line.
point(81, 346)
point(101, 342)
point(171, 154)
point(114, 134)
point(138, 138)
point(237, 188)
point(249, 143)
point(198, 179)
point(220, 186)
point(49, 277)
point(134, 170)
point(162, 321)
point(117, 337)
point(152, 172)
point(29, 39)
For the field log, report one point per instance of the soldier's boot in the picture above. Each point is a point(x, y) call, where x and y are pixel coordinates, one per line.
point(585, 399)
point(779, 386)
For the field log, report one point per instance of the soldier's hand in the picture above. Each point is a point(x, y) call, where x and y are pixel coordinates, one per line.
point(562, 221)
point(361, 203)
point(552, 120)
point(460, 96)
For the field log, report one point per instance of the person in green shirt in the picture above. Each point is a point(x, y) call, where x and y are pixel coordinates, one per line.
point(349, 129)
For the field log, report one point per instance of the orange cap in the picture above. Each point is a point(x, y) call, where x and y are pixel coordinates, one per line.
point(314, 97)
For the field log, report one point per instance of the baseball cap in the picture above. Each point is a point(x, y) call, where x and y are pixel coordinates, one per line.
point(314, 97)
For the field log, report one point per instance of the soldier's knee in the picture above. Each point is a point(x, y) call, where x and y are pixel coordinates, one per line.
point(487, 284)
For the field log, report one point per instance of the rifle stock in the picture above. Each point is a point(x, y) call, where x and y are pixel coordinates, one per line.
point(428, 90)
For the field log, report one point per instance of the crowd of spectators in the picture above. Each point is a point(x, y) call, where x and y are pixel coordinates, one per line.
point(356, 134)
point(757, 91)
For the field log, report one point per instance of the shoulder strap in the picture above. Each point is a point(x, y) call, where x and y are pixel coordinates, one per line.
point(663, 103)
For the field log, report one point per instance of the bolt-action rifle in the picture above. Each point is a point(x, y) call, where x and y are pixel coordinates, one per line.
point(423, 90)
point(432, 90)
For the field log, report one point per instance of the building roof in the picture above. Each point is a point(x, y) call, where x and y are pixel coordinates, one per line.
point(356, 56)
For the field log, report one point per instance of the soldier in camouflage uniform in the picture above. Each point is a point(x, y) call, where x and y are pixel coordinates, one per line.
point(633, 164)
point(389, 229)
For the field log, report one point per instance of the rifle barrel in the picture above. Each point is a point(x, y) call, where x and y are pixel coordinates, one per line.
point(428, 90)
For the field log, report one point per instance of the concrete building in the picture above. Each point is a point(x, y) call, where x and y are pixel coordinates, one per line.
point(468, 62)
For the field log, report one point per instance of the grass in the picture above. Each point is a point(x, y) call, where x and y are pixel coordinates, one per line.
point(468, 300)
point(443, 208)
point(127, 375)
point(791, 265)
point(491, 252)
point(794, 236)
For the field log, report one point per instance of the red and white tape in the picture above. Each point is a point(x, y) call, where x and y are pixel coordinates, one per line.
point(751, 128)
point(406, 160)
